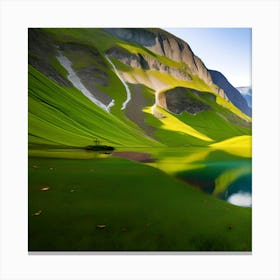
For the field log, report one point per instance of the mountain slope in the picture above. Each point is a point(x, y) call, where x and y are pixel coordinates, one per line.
point(126, 87)
point(64, 116)
point(232, 93)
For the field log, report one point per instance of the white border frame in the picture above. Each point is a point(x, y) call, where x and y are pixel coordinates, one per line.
point(262, 16)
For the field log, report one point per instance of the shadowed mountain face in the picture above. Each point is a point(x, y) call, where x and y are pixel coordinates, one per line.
point(232, 93)
point(179, 100)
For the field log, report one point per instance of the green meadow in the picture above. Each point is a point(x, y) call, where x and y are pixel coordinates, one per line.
point(115, 204)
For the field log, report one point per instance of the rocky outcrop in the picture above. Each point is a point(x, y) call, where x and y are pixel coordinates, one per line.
point(165, 44)
point(89, 66)
point(146, 62)
point(232, 93)
point(176, 49)
point(43, 48)
point(179, 100)
point(40, 52)
point(130, 59)
point(88, 63)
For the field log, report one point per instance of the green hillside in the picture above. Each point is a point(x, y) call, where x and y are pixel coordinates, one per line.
point(64, 116)
point(60, 114)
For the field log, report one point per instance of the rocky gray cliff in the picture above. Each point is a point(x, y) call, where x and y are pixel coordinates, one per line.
point(166, 44)
point(146, 62)
point(232, 93)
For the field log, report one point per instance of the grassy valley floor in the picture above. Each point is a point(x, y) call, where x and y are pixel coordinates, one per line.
point(114, 204)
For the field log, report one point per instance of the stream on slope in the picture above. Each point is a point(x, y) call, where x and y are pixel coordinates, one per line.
point(128, 93)
point(75, 80)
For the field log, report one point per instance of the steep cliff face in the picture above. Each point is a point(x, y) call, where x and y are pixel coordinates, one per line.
point(232, 93)
point(146, 62)
point(165, 44)
point(176, 49)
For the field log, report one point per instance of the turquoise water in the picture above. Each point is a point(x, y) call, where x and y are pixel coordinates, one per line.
point(224, 175)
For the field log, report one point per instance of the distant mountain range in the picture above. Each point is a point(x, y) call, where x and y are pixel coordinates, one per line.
point(247, 94)
point(127, 87)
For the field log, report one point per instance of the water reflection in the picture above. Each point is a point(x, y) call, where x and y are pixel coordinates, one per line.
point(241, 199)
point(224, 175)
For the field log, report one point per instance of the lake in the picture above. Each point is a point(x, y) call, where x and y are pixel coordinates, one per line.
point(222, 174)
point(226, 175)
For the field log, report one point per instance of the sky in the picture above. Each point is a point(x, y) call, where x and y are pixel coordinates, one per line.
point(227, 50)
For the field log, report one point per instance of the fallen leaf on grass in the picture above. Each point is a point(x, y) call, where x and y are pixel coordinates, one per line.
point(100, 226)
point(37, 213)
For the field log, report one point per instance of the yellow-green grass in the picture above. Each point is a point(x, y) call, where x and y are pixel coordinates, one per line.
point(221, 101)
point(117, 205)
point(171, 138)
point(199, 129)
point(239, 145)
point(171, 123)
